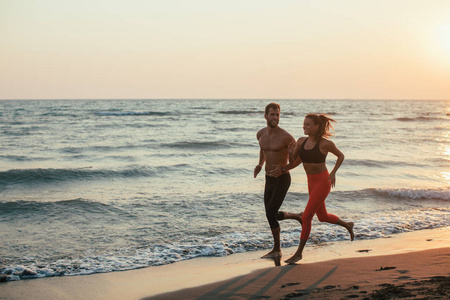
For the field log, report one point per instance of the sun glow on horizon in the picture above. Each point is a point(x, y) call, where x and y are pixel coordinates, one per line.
point(440, 46)
point(444, 37)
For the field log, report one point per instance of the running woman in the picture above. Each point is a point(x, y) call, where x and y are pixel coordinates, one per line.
point(313, 151)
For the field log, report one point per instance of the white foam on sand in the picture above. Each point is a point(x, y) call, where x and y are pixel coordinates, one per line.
point(150, 281)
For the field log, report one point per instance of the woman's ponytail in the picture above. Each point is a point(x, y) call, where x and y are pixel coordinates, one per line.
point(324, 123)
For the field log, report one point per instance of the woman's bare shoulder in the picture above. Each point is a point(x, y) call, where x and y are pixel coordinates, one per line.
point(327, 143)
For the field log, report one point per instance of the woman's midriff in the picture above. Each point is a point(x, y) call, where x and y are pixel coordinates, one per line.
point(312, 169)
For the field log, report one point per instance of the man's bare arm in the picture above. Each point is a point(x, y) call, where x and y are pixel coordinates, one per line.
point(262, 159)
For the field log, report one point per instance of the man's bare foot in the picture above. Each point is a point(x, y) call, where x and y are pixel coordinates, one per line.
point(295, 258)
point(300, 218)
point(272, 254)
point(350, 230)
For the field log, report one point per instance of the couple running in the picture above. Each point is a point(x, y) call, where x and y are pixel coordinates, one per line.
point(277, 147)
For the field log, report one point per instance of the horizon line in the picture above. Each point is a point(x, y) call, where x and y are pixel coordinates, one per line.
point(175, 99)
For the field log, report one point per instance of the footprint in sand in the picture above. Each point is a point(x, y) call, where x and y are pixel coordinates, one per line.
point(289, 284)
point(364, 250)
point(386, 268)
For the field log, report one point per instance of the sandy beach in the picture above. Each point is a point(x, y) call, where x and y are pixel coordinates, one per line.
point(407, 264)
point(378, 277)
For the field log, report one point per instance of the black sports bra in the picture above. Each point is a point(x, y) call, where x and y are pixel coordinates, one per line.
point(313, 156)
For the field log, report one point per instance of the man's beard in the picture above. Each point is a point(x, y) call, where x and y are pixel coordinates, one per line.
point(270, 124)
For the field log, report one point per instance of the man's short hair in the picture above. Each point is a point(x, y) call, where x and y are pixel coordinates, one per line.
point(272, 106)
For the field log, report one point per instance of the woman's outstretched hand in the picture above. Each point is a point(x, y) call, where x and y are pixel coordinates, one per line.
point(332, 179)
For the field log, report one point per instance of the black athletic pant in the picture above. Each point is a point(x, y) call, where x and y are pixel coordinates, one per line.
point(274, 193)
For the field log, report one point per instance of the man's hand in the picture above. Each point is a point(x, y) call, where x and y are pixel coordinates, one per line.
point(257, 170)
point(277, 171)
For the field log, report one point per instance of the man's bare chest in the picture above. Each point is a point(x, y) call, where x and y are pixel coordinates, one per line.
point(271, 144)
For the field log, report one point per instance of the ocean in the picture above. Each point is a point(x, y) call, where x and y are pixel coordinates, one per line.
point(90, 186)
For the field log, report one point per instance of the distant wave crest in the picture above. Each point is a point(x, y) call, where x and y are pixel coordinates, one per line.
point(250, 112)
point(377, 163)
point(39, 176)
point(207, 145)
point(438, 194)
point(132, 113)
point(421, 119)
point(21, 209)
point(239, 112)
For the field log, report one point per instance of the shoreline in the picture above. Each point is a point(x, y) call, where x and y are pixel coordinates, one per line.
point(200, 274)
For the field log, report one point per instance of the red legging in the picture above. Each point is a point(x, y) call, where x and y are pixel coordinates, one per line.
point(318, 187)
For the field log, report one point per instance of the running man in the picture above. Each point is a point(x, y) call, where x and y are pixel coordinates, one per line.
point(274, 143)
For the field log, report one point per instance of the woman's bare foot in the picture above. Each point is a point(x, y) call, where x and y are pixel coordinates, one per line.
point(350, 230)
point(272, 254)
point(295, 258)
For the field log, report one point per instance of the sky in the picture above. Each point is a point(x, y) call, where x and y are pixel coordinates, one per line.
point(227, 49)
